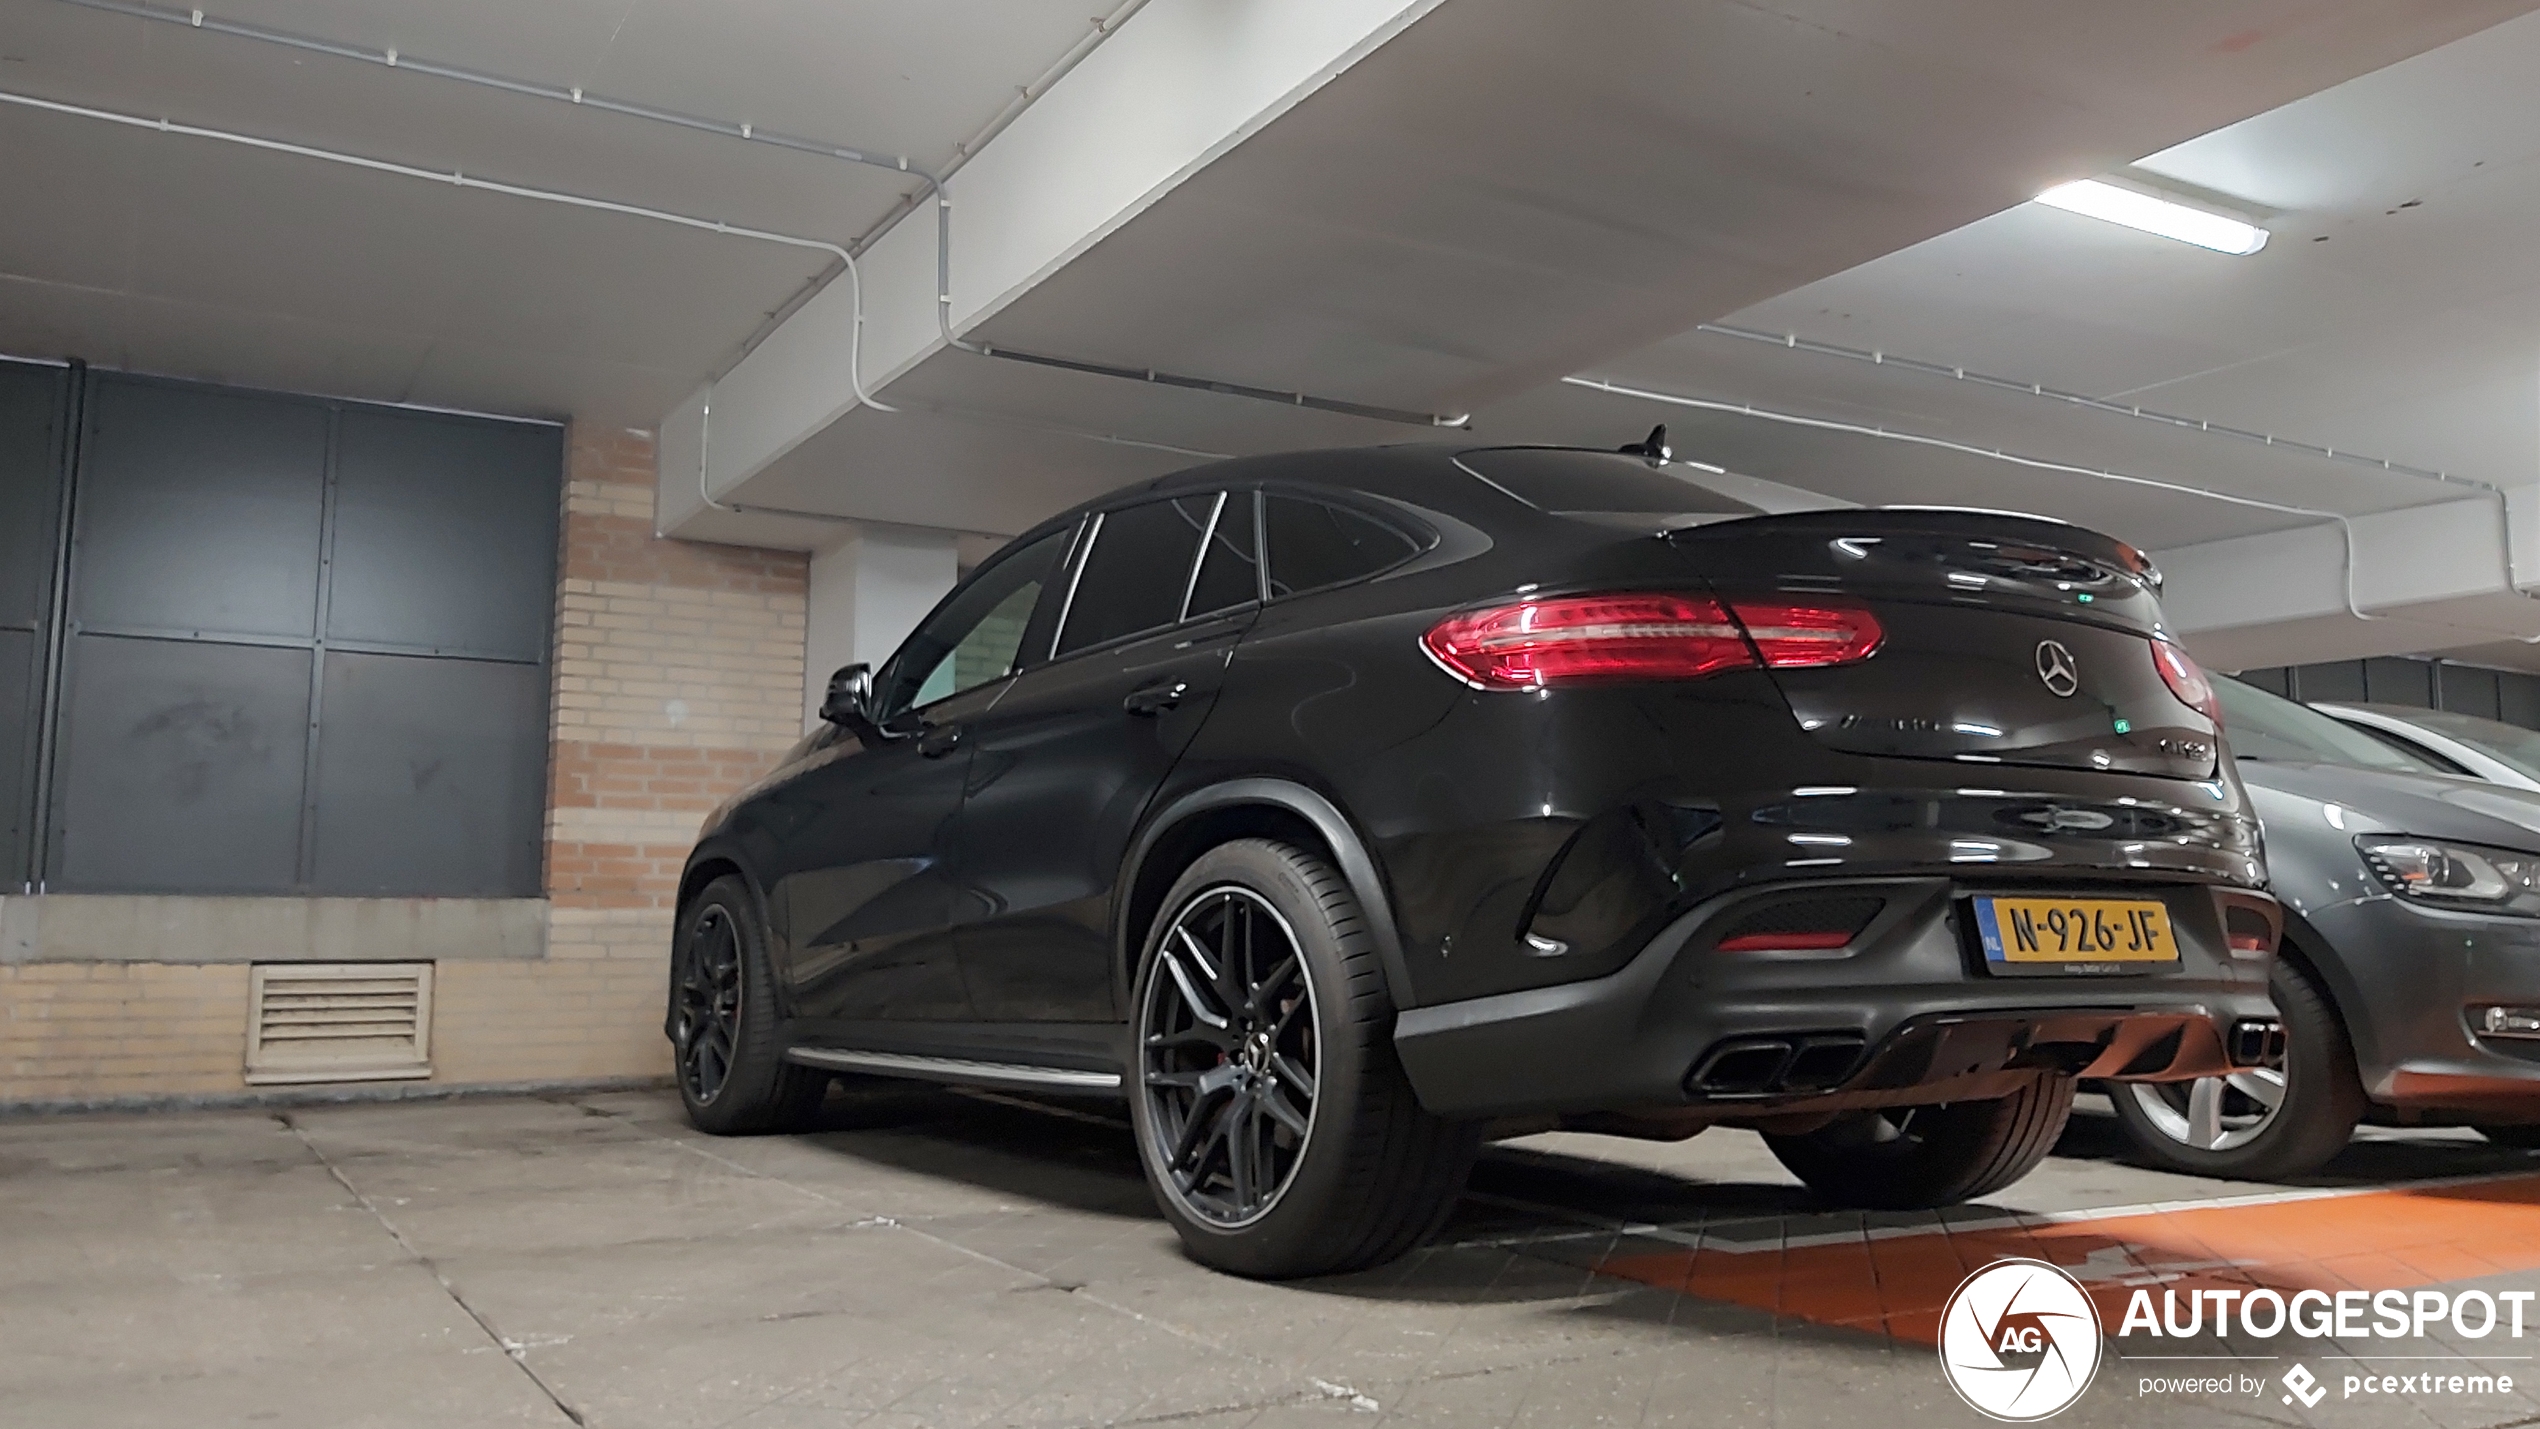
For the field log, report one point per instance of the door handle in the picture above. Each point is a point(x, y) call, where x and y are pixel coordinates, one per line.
point(1155, 699)
point(943, 739)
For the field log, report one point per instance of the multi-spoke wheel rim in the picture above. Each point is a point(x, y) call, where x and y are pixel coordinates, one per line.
point(709, 1021)
point(2213, 1113)
point(1229, 1059)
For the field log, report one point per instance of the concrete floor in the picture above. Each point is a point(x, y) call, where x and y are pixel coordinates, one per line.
point(940, 1258)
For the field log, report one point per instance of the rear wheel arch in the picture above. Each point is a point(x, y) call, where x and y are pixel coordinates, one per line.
point(1276, 809)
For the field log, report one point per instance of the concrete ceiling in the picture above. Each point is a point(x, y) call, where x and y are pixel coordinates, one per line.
point(1496, 196)
point(2395, 312)
point(196, 258)
point(1503, 194)
point(2394, 315)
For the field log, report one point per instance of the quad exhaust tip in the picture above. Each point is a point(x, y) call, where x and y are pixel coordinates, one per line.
point(2257, 1042)
point(1785, 1064)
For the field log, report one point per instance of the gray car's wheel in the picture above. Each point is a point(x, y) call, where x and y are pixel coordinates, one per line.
point(732, 1075)
point(1274, 1123)
point(1915, 1158)
point(2260, 1123)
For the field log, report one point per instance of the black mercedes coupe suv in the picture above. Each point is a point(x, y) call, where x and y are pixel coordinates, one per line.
point(1342, 809)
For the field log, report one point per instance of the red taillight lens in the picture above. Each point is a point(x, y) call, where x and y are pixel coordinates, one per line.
point(1640, 635)
point(2186, 681)
point(1794, 636)
point(1564, 639)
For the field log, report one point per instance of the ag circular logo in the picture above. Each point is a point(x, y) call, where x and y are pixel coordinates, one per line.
point(2019, 1341)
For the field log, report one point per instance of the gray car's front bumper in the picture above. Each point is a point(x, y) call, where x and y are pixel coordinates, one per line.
point(2411, 976)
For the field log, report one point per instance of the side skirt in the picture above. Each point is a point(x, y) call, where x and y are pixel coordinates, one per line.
point(955, 1069)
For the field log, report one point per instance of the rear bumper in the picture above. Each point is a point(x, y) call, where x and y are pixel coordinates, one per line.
point(1904, 1014)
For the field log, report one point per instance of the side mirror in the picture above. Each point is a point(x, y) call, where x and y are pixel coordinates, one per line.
point(849, 703)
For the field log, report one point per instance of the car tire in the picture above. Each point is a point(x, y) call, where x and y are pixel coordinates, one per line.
point(2515, 1138)
point(1278, 1056)
point(726, 1056)
point(2320, 1099)
point(1916, 1158)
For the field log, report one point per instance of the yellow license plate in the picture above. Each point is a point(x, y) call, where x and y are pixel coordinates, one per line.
point(2075, 935)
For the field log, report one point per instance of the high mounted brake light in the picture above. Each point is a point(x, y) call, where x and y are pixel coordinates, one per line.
point(1644, 635)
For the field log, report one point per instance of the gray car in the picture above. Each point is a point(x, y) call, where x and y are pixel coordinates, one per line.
point(2409, 976)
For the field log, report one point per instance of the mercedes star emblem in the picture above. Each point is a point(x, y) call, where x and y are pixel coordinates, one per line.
point(2055, 668)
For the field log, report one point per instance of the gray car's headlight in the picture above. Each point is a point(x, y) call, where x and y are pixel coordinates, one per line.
point(2458, 875)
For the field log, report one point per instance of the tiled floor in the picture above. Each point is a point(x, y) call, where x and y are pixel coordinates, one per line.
point(943, 1258)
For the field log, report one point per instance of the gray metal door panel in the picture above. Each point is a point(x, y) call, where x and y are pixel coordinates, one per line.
point(180, 767)
point(33, 401)
point(431, 777)
point(30, 490)
point(198, 510)
point(21, 653)
point(445, 534)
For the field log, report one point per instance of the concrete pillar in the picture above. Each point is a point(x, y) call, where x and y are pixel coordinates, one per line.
point(867, 593)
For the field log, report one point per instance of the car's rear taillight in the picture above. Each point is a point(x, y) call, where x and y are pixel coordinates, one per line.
point(1644, 635)
point(1795, 635)
point(1563, 639)
point(2187, 681)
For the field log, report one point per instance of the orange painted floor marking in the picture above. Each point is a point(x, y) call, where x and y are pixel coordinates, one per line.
point(1897, 1281)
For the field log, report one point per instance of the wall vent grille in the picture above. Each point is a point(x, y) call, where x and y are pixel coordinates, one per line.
point(339, 1022)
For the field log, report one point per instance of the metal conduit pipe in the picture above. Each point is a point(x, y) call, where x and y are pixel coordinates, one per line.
point(457, 179)
point(2345, 523)
point(585, 98)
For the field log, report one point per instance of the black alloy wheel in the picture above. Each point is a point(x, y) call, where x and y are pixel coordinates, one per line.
point(1228, 1057)
point(1274, 1123)
point(727, 1040)
point(707, 1024)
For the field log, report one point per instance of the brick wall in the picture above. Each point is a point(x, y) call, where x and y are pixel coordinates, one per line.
point(679, 675)
point(678, 678)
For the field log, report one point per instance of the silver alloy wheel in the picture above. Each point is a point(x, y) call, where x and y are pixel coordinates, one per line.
point(1229, 1056)
point(2213, 1113)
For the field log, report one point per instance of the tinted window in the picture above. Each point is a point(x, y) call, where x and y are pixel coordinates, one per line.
point(1230, 571)
point(1138, 571)
point(1311, 544)
point(2261, 726)
point(974, 638)
point(1576, 482)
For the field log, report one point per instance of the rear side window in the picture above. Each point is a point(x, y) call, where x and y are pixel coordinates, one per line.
point(1577, 483)
point(1230, 569)
point(1137, 572)
point(1311, 544)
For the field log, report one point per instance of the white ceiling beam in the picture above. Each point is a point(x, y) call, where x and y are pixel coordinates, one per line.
point(2425, 579)
point(1181, 82)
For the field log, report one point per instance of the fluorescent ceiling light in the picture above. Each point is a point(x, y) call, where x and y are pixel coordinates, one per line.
point(2153, 214)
